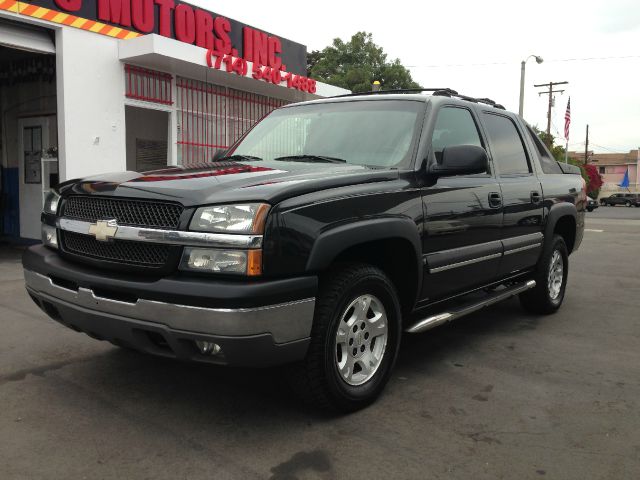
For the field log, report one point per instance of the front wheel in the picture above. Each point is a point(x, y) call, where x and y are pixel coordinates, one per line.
point(354, 340)
point(551, 279)
point(627, 203)
point(589, 209)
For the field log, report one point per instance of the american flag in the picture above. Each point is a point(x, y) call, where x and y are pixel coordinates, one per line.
point(567, 119)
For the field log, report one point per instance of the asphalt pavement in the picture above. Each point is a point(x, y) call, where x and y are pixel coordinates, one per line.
point(499, 394)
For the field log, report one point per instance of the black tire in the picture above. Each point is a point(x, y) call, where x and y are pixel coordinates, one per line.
point(539, 299)
point(316, 379)
point(627, 203)
point(589, 209)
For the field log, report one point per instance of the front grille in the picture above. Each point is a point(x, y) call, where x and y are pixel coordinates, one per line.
point(125, 211)
point(124, 251)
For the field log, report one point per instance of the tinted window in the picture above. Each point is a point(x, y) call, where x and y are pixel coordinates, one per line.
point(547, 162)
point(454, 126)
point(506, 145)
point(377, 132)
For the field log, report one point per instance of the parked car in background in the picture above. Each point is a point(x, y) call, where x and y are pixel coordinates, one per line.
point(591, 204)
point(626, 199)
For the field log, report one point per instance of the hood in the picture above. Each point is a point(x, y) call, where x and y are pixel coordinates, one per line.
point(223, 182)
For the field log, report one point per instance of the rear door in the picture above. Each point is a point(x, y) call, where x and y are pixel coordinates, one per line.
point(521, 193)
point(463, 214)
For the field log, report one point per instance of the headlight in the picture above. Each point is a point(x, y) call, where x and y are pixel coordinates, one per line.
point(245, 218)
point(51, 203)
point(213, 260)
point(49, 236)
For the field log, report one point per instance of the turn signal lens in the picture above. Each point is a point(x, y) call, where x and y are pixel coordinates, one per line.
point(254, 263)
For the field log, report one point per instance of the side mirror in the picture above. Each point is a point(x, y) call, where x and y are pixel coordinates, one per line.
point(461, 160)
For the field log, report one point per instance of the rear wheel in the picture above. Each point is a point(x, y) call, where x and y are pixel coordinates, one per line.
point(551, 279)
point(354, 340)
point(627, 203)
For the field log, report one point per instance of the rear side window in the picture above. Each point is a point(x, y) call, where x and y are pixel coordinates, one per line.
point(507, 147)
point(547, 162)
point(454, 126)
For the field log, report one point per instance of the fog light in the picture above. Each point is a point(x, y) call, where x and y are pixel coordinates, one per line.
point(49, 236)
point(208, 348)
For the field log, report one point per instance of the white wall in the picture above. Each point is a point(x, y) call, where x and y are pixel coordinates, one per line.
point(90, 104)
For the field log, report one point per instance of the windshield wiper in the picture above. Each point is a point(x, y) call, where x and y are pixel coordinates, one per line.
point(310, 158)
point(246, 158)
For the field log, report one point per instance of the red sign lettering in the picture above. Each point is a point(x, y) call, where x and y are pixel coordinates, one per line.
point(164, 17)
point(69, 5)
point(142, 15)
point(115, 11)
point(185, 23)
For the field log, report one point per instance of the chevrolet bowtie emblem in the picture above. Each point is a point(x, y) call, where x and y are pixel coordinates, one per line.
point(104, 230)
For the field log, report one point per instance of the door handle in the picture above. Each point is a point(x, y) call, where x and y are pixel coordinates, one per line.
point(495, 200)
point(536, 197)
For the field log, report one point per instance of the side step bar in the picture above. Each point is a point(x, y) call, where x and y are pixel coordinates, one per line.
point(435, 320)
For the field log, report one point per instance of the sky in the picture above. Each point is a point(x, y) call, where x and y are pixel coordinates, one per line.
point(475, 47)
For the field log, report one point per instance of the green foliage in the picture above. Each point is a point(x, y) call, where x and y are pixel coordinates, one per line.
point(356, 64)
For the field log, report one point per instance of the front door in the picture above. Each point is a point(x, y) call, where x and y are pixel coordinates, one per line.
point(33, 141)
point(463, 216)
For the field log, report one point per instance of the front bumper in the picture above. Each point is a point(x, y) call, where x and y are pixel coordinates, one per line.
point(159, 316)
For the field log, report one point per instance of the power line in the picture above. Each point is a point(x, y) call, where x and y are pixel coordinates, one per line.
point(583, 59)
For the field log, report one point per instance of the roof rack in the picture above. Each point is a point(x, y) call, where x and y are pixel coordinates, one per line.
point(399, 90)
point(439, 92)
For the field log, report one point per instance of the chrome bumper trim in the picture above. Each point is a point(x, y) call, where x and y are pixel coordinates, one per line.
point(286, 322)
point(170, 237)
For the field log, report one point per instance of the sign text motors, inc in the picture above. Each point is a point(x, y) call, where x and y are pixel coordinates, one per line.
point(189, 24)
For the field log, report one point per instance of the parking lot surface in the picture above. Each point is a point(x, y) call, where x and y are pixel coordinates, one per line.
point(499, 394)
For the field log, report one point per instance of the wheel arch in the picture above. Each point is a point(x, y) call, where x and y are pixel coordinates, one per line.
point(562, 220)
point(391, 244)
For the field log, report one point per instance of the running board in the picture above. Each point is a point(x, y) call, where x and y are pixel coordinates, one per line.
point(435, 320)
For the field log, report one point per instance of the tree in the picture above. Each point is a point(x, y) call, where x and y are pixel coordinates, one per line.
point(356, 64)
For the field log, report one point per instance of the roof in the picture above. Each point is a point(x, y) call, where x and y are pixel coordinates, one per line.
point(608, 158)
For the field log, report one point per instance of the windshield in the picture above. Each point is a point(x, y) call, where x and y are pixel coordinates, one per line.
point(378, 133)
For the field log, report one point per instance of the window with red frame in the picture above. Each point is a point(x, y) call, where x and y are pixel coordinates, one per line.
point(148, 85)
point(212, 118)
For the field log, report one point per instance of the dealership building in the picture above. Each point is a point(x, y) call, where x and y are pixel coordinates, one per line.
point(94, 86)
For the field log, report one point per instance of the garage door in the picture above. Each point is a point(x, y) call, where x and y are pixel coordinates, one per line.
point(25, 37)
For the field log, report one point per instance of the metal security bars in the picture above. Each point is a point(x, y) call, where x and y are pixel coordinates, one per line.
point(148, 85)
point(211, 117)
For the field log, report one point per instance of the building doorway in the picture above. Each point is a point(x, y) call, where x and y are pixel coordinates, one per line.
point(148, 131)
point(28, 128)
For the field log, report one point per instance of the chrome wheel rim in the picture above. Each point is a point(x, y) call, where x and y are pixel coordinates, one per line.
point(361, 340)
point(556, 275)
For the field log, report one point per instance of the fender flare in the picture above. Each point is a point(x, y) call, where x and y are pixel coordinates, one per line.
point(556, 212)
point(330, 243)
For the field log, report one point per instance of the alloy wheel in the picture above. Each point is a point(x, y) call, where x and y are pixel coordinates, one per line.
point(361, 339)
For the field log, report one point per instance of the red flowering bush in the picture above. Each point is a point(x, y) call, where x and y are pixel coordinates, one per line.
point(593, 179)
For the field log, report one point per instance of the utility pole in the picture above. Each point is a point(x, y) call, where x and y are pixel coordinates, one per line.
point(551, 91)
point(586, 146)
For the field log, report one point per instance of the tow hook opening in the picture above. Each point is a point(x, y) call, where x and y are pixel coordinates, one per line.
point(208, 348)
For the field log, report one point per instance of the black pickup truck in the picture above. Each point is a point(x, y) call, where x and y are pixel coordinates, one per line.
point(329, 230)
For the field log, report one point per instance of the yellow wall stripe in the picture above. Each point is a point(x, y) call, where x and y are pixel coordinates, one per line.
point(64, 19)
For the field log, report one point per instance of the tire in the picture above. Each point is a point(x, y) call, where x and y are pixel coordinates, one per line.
point(627, 203)
point(589, 209)
point(318, 379)
point(546, 298)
